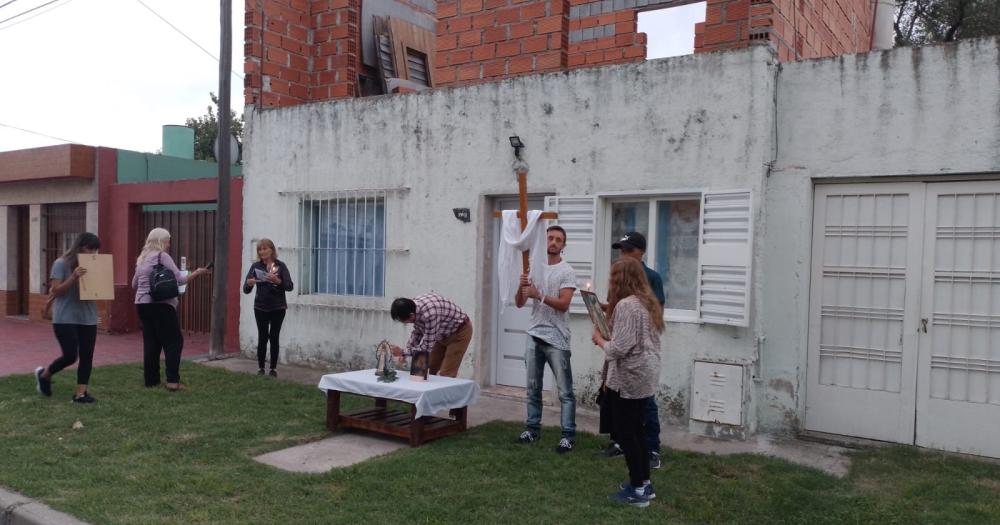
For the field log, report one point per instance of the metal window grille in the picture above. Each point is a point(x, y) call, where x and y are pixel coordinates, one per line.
point(343, 243)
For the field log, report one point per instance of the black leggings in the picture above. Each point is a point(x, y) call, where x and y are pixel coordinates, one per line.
point(627, 419)
point(75, 340)
point(161, 330)
point(268, 330)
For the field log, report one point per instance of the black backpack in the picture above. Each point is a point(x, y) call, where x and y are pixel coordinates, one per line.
point(162, 282)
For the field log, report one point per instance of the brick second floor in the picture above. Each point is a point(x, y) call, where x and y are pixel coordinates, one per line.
point(299, 51)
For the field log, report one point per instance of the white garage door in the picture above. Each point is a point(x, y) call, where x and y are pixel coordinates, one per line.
point(904, 336)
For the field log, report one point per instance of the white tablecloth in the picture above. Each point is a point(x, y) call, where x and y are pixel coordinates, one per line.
point(434, 395)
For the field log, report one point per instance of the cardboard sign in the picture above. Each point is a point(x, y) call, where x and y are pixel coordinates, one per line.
point(98, 284)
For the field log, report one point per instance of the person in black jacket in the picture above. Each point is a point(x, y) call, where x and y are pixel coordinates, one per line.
point(272, 280)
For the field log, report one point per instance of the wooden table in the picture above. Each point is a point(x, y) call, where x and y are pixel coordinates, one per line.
point(409, 423)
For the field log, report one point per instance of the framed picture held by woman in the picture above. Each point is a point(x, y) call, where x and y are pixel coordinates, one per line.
point(596, 313)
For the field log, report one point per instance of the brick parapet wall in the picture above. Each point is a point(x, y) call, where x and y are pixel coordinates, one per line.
point(484, 40)
point(299, 51)
point(798, 29)
point(336, 40)
point(308, 50)
point(606, 32)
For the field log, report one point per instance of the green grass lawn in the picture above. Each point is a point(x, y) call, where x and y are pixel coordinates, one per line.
point(149, 456)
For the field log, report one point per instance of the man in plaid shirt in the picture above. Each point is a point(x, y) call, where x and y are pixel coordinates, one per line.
point(440, 327)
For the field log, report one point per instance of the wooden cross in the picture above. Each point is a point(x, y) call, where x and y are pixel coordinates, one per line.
point(522, 211)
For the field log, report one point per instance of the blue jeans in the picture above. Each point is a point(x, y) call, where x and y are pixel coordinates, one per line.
point(536, 356)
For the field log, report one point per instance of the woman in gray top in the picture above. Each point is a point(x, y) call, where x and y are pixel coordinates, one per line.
point(73, 321)
point(633, 369)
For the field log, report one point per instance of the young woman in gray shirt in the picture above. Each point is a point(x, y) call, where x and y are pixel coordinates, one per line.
point(74, 321)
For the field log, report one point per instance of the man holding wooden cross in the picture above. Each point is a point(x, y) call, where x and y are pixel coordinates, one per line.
point(549, 339)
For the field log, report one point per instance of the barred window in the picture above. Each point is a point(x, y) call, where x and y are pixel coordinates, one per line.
point(344, 241)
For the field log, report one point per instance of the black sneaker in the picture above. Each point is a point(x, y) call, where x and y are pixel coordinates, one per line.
point(527, 437)
point(564, 446)
point(260, 371)
point(647, 489)
point(631, 496)
point(44, 386)
point(85, 398)
point(613, 450)
point(273, 373)
point(654, 459)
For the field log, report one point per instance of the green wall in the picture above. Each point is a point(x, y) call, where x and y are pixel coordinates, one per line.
point(135, 167)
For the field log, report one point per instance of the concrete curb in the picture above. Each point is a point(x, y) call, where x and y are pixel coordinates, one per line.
point(16, 509)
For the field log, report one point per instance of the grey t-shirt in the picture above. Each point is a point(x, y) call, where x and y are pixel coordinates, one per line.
point(547, 323)
point(68, 308)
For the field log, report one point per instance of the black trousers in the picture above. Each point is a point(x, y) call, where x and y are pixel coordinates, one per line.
point(268, 330)
point(75, 340)
point(628, 424)
point(161, 332)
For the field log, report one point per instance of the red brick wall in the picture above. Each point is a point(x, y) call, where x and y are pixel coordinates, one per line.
point(619, 41)
point(798, 29)
point(8, 301)
point(336, 40)
point(483, 40)
point(308, 50)
point(36, 302)
point(299, 51)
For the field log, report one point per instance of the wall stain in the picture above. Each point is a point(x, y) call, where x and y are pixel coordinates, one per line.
point(783, 385)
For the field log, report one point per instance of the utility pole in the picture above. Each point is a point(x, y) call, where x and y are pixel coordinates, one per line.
point(219, 290)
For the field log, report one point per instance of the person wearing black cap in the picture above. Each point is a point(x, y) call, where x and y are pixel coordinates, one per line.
point(633, 244)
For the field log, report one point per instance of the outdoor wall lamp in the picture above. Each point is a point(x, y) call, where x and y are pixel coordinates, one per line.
point(516, 143)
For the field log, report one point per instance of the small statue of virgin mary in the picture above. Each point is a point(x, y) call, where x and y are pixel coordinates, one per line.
point(384, 368)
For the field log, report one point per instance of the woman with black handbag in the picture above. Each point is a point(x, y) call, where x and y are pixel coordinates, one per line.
point(74, 321)
point(155, 281)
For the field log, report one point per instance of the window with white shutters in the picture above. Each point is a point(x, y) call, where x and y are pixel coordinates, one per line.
point(576, 216)
point(725, 252)
point(701, 244)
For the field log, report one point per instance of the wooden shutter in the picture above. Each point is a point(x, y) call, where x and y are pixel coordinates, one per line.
point(416, 67)
point(724, 257)
point(576, 216)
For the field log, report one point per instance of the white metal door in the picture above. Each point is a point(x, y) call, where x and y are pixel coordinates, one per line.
point(864, 305)
point(958, 396)
point(511, 323)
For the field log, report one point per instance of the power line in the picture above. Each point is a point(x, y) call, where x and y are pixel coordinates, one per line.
point(7, 4)
point(22, 13)
point(175, 28)
point(35, 16)
point(35, 133)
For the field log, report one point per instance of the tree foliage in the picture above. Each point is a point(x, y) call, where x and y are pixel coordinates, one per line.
point(920, 22)
point(206, 128)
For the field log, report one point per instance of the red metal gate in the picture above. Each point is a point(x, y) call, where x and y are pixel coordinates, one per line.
point(192, 235)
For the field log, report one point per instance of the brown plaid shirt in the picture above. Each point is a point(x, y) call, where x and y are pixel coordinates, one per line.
point(437, 318)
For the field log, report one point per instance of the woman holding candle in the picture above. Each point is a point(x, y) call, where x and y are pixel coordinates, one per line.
point(272, 279)
point(633, 369)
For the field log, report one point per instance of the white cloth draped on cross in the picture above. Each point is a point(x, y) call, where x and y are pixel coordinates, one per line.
point(513, 241)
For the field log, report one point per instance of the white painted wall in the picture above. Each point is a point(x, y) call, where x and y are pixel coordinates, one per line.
point(929, 112)
point(711, 121)
point(692, 122)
